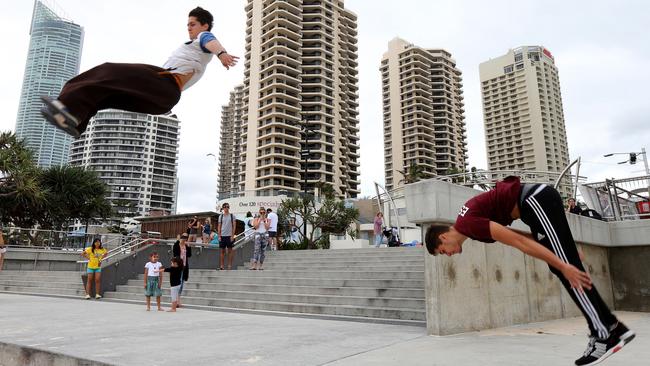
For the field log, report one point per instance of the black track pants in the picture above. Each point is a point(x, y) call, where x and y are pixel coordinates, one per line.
point(541, 208)
point(132, 87)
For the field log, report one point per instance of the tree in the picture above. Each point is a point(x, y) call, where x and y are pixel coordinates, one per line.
point(413, 174)
point(72, 194)
point(329, 217)
point(19, 180)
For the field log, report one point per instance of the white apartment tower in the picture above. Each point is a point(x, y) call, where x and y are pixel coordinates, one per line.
point(424, 122)
point(136, 155)
point(300, 72)
point(522, 110)
point(230, 145)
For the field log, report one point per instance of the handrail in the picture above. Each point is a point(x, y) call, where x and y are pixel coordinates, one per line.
point(128, 246)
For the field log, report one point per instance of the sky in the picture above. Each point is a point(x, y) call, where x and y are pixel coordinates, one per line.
point(601, 49)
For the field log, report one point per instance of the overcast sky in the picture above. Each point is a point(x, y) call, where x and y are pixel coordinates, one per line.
point(601, 48)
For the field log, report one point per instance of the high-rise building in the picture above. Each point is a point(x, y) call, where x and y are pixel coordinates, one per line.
point(53, 58)
point(424, 122)
point(230, 145)
point(136, 155)
point(522, 110)
point(300, 72)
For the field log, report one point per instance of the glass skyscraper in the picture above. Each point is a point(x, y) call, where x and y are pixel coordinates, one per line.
point(53, 58)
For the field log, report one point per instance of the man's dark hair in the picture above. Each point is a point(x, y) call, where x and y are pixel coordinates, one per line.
point(268, 210)
point(203, 16)
point(432, 237)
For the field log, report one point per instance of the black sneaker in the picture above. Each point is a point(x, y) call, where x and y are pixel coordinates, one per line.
point(599, 349)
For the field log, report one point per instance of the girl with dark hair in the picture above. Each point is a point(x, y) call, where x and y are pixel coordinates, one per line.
point(95, 254)
point(138, 87)
point(175, 278)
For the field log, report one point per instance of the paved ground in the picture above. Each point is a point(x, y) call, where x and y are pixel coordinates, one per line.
point(124, 334)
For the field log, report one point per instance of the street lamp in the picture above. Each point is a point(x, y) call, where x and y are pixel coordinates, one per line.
point(632, 160)
point(305, 153)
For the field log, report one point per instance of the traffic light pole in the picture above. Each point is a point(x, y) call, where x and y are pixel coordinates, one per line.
point(647, 170)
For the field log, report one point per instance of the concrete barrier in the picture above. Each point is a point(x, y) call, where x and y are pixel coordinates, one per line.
point(16, 355)
point(494, 285)
point(42, 260)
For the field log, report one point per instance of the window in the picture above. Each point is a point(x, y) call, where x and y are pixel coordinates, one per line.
point(508, 69)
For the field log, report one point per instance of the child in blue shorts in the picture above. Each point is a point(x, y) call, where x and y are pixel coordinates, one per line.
point(153, 280)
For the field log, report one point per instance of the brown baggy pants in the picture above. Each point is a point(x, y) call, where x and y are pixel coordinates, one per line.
point(133, 87)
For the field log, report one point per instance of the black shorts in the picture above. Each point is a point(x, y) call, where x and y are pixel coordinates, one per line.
point(273, 234)
point(225, 242)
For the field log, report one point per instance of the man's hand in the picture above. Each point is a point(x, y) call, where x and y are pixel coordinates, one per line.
point(579, 280)
point(227, 60)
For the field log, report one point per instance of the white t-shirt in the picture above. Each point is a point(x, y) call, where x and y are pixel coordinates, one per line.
point(273, 217)
point(153, 269)
point(191, 57)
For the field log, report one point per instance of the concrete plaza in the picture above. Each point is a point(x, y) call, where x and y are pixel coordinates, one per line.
point(125, 334)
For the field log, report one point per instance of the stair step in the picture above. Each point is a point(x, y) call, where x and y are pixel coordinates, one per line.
point(313, 289)
point(206, 274)
point(43, 290)
point(345, 310)
point(328, 282)
point(292, 298)
point(53, 284)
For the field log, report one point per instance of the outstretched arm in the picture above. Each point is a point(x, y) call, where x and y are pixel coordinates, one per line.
point(227, 60)
point(576, 278)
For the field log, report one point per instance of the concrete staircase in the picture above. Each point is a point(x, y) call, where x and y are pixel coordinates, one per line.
point(375, 285)
point(46, 283)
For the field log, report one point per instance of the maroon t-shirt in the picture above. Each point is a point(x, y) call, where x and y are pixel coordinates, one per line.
point(496, 205)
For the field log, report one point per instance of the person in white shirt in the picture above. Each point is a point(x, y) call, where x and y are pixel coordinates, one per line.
point(137, 87)
point(153, 280)
point(261, 224)
point(273, 229)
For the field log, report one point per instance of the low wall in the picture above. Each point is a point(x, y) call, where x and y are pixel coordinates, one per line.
point(42, 260)
point(130, 267)
point(494, 285)
point(15, 355)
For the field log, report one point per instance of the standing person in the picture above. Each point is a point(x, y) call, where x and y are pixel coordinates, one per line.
point(138, 87)
point(273, 229)
point(153, 278)
point(261, 225)
point(206, 230)
point(175, 278)
point(378, 224)
point(572, 207)
point(3, 250)
point(95, 254)
point(183, 251)
point(226, 230)
point(485, 217)
point(192, 227)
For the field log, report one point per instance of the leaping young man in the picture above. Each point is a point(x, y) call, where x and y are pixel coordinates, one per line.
point(138, 87)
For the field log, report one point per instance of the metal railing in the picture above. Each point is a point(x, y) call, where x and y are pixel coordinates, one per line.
point(39, 239)
point(618, 199)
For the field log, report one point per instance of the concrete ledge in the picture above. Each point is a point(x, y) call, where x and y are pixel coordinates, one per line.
point(14, 355)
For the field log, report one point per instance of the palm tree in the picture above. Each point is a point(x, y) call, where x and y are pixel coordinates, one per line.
point(413, 174)
point(19, 179)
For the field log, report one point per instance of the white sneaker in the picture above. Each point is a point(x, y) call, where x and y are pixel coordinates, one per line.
point(98, 296)
point(87, 297)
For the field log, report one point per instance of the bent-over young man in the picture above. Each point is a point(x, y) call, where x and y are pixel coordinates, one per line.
point(485, 217)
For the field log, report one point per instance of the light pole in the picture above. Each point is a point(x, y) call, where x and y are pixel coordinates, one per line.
point(632, 160)
point(305, 153)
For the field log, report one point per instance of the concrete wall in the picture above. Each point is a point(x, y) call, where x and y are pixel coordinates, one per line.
point(494, 285)
point(14, 355)
point(42, 260)
point(120, 272)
